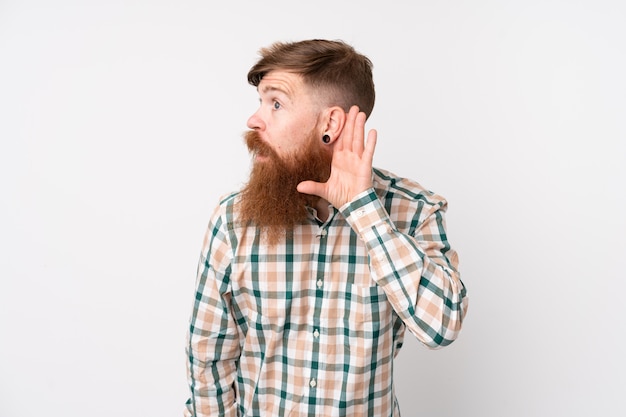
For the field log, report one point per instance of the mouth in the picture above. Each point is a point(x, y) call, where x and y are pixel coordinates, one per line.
point(259, 157)
point(260, 151)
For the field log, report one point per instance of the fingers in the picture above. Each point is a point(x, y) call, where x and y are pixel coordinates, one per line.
point(370, 146)
point(352, 136)
point(312, 188)
point(345, 140)
point(359, 134)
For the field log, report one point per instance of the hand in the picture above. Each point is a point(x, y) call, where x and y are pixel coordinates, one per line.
point(351, 167)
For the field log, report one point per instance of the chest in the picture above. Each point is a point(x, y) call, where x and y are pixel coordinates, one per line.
point(322, 271)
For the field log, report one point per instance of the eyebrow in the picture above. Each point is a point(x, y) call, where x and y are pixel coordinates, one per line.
point(268, 88)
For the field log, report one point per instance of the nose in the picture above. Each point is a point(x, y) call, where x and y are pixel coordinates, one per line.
point(255, 122)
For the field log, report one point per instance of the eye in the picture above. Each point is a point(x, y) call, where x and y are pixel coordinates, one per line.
point(276, 105)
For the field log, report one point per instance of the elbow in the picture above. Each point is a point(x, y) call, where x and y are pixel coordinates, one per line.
point(449, 327)
point(439, 341)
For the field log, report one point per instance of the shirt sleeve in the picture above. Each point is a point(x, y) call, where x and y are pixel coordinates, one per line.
point(419, 272)
point(213, 339)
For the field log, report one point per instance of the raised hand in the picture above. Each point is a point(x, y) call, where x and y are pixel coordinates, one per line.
point(351, 169)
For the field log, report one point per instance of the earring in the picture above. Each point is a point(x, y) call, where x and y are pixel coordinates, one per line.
point(325, 138)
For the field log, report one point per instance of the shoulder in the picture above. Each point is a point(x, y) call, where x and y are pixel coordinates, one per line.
point(390, 186)
point(223, 212)
point(408, 203)
point(219, 232)
point(228, 200)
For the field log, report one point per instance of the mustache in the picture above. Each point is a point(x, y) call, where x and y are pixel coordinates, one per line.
point(258, 146)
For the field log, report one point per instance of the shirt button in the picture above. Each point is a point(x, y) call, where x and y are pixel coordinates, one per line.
point(316, 333)
point(313, 383)
point(320, 283)
point(360, 213)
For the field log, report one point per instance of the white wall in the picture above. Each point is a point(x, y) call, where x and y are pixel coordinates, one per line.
point(120, 125)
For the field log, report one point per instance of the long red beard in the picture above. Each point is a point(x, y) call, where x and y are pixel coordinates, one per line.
point(270, 200)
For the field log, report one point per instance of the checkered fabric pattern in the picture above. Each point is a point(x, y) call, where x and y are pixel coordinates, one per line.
point(311, 326)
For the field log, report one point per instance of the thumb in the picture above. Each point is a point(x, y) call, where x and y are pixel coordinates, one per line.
point(311, 187)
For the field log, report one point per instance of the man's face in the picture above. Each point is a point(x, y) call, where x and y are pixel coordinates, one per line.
point(287, 114)
point(287, 148)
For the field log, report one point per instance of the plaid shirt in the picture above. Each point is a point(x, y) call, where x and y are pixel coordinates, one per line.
point(311, 326)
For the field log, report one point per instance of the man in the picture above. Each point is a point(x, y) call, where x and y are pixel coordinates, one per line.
point(310, 274)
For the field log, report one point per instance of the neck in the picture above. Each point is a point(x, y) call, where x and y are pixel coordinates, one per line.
point(322, 209)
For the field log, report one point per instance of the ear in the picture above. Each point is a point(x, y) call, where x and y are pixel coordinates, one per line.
point(334, 118)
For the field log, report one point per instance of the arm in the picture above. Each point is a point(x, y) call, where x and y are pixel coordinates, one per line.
point(213, 340)
point(418, 273)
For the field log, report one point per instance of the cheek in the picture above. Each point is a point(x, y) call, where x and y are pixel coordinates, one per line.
point(289, 140)
point(291, 137)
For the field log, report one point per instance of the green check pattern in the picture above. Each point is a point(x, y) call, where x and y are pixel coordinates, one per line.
point(311, 326)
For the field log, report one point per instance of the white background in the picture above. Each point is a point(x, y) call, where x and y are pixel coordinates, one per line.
point(120, 126)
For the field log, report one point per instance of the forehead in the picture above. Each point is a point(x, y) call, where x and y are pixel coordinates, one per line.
point(288, 83)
